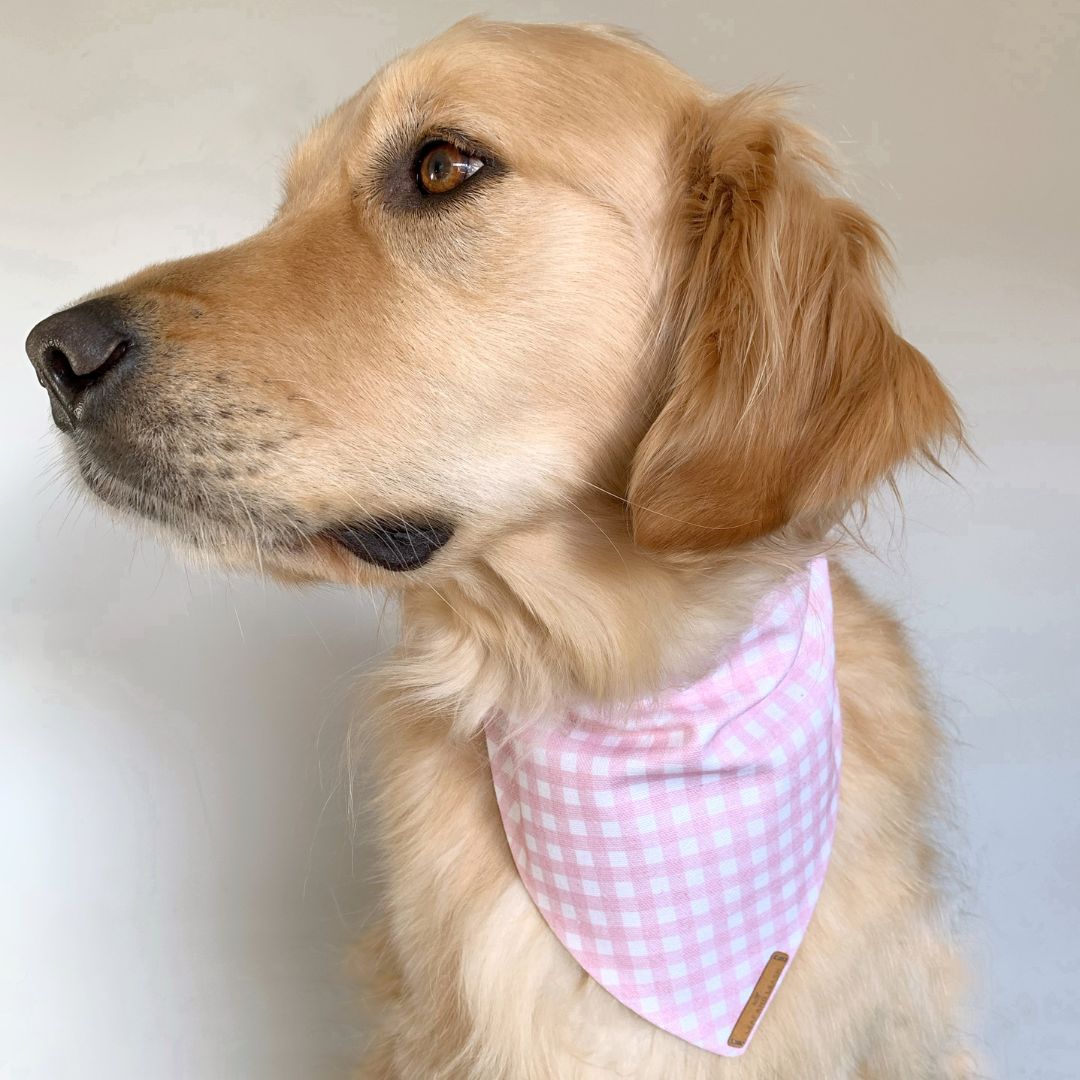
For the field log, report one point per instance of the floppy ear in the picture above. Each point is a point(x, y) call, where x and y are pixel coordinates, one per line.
point(790, 394)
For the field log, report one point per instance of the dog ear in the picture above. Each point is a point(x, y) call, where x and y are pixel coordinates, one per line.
point(789, 394)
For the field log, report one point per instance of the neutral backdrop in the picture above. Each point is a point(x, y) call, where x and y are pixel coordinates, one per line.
point(178, 880)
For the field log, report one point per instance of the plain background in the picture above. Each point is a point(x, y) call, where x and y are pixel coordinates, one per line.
point(178, 880)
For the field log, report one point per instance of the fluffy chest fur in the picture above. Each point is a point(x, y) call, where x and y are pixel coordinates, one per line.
point(472, 982)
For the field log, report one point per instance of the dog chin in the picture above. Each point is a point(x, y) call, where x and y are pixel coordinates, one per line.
point(375, 551)
point(380, 549)
point(358, 554)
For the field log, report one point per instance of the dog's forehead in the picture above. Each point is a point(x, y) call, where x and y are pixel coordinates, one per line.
point(545, 98)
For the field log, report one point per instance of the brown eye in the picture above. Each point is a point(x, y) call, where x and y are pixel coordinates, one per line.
point(444, 167)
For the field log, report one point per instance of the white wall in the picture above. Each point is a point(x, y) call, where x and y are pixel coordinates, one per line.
point(177, 876)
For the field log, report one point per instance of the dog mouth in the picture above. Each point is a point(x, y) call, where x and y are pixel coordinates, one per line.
point(397, 544)
point(231, 522)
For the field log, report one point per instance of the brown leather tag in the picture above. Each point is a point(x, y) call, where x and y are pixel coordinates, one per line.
point(759, 998)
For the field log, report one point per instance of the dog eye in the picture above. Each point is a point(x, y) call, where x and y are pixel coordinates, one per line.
point(442, 167)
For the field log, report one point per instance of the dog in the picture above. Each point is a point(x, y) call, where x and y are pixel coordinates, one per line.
point(585, 363)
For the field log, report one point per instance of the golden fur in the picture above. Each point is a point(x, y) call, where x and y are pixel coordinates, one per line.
point(646, 368)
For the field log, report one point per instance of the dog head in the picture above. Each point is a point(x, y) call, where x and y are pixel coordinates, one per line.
point(524, 268)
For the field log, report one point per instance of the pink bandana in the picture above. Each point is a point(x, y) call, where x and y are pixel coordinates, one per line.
point(677, 848)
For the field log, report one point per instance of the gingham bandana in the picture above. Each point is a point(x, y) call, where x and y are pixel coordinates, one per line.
point(677, 847)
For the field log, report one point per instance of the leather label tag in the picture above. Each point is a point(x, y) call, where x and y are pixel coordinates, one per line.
point(759, 998)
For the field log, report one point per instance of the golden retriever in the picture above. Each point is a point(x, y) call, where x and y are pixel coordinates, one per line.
point(581, 360)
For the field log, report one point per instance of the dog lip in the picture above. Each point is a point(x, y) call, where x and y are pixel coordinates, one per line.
point(397, 544)
point(64, 417)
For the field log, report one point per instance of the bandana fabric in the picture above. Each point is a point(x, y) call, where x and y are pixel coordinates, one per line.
point(675, 847)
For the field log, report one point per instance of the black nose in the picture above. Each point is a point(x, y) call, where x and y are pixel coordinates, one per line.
point(80, 348)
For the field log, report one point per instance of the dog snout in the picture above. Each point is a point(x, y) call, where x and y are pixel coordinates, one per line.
point(78, 349)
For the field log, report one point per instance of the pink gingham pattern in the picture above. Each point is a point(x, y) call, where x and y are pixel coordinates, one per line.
point(675, 846)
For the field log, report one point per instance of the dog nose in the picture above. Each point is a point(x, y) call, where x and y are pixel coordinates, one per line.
point(76, 349)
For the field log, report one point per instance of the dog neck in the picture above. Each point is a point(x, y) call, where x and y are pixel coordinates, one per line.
point(569, 611)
